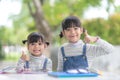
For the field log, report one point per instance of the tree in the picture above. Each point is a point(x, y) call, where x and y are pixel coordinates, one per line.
point(47, 16)
point(36, 10)
point(41, 23)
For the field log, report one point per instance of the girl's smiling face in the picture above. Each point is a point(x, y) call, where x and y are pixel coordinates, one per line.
point(36, 48)
point(72, 34)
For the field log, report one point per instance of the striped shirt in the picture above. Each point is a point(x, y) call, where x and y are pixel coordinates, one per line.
point(35, 63)
point(101, 47)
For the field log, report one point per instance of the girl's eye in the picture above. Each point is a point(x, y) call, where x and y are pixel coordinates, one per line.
point(76, 28)
point(32, 43)
point(68, 29)
point(40, 43)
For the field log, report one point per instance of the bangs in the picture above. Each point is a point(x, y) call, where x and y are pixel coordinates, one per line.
point(35, 39)
point(71, 21)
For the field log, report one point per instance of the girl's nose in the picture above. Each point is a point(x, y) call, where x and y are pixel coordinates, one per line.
point(36, 45)
point(72, 31)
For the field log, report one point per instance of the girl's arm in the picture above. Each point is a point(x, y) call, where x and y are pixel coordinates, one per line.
point(101, 47)
point(49, 65)
point(20, 65)
point(22, 62)
point(60, 61)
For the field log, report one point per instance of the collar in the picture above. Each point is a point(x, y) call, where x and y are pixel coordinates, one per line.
point(80, 42)
point(36, 57)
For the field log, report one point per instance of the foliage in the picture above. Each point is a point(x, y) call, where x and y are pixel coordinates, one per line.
point(106, 29)
point(114, 32)
point(23, 24)
point(1, 51)
point(24, 19)
point(57, 11)
point(5, 34)
point(54, 13)
point(12, 57)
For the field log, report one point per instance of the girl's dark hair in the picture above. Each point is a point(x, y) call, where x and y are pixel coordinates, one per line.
point(70, 21)
point(34, 37)
point(61, 34)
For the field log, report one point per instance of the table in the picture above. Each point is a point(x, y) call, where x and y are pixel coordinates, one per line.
point(43, 76)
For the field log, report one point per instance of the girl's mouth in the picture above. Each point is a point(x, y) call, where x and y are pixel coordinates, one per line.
point(36, 51)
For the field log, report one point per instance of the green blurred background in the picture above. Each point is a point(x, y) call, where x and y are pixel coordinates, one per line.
point(45, 16)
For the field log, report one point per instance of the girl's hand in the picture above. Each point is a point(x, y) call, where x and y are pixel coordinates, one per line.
point(27, 70)
point(24, 56)
point(88, 38)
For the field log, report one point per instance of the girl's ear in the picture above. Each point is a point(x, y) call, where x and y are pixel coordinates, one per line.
point(45, 45)
point(28, 46)
point(81, 30)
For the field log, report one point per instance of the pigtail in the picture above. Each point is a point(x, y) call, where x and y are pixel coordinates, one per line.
point(61, 35)
point(24, 41)
point(47, 43)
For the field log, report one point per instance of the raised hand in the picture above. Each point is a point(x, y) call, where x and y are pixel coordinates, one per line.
point(88, 38)
point(24, 56)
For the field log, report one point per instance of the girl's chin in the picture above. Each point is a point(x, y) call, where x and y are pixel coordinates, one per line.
point(73, 41)
point(36, 54)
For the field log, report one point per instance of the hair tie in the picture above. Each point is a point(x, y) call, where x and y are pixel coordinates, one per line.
point(47, 43)
point(61, 34)
point(24, 41)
